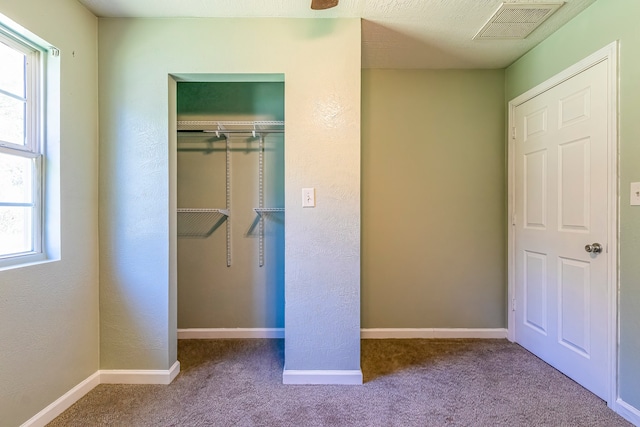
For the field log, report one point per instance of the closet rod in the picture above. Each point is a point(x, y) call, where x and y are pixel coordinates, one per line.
point(232, 122)
point(223, 131)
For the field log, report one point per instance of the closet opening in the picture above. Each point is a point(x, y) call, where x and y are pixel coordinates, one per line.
point(230, 184)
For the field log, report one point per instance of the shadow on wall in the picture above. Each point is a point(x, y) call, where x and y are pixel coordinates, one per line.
point(383, 45)
point(253, 100)
point(317, 29)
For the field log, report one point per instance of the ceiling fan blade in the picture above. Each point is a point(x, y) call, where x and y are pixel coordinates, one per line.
point(323, 4)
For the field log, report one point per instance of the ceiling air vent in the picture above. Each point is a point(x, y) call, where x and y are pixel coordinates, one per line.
point(516, 20)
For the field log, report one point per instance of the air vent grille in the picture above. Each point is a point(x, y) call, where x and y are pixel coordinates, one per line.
point(516, 20)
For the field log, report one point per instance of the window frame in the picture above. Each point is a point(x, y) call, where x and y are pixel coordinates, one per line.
point(33, 147)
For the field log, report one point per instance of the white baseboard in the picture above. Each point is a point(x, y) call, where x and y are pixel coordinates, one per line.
point(124, 376)
point(627, 412)
point(131, 376)
point(379, 333)
point(220, 333)
point(346, 377)
point(49, 413)
point(374, 333)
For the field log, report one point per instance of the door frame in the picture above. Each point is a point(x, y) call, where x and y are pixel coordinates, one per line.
point(610, 54)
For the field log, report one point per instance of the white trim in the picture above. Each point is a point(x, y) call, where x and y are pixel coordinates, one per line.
point(65, 401)
point(372, 333)
point(130, 376)
point(608, 53)
point(627, 412)
point(379, 333)
point(614, 221)
point(511, 236)
point(124, 376)
point(221, 333)
point(326, 377)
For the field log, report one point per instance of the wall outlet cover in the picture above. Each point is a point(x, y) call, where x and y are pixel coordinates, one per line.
point(635, 194)
point(308, 197)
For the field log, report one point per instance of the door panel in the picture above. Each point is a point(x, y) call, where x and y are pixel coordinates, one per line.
point(575, 107)
point(575, 299)
point(535, 189)
point(535, 124)
point(535, 291)
point(574, 186)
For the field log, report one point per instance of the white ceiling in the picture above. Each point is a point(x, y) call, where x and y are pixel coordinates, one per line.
point(395, 33)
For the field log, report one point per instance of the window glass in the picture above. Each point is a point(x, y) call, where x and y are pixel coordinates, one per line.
point(12, 72)
point(16, 230)
point(12, 119)
point(21, 185)
point(16, 176)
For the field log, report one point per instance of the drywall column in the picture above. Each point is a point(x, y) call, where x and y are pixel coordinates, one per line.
point(322, 244)
point(320, 61)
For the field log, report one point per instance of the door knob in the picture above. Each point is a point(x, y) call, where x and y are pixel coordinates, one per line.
point(595, 248)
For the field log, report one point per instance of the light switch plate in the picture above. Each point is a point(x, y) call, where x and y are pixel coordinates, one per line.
point(635, 193)
point(308, 197)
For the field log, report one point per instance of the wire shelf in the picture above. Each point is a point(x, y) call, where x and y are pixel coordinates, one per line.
point(267, 211)
point(200, 223)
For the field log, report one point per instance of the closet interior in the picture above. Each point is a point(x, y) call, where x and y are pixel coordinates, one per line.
point(230, 179)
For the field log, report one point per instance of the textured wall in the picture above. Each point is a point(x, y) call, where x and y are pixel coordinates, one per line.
point(601, 24)
point(321, 63)
point(245, 295)
point(433, 199)
point(49, 333)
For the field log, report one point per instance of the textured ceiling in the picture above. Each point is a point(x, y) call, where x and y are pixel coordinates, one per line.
point(395, 33)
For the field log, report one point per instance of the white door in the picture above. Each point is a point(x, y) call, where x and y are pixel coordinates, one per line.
point(560, 199)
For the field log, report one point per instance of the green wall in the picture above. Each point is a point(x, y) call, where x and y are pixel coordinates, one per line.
point(49, 318)
point(433, 199)
point(599, 25)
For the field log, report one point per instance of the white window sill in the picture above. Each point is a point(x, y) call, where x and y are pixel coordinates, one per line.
point(24, 261)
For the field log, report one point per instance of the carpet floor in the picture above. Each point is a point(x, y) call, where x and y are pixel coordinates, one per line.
point(406, 383)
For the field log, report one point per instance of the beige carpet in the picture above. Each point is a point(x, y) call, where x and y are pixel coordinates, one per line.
point(407, 383)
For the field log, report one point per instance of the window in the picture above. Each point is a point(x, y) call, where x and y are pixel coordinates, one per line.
point(21, 158)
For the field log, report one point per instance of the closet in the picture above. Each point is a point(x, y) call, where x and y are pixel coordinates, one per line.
point(230, 181)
